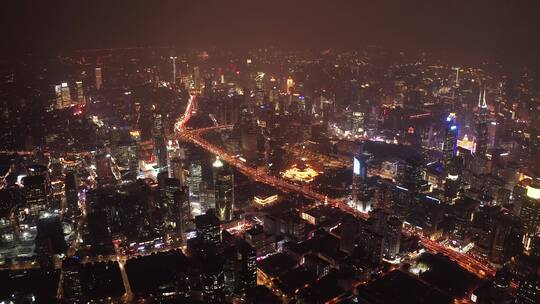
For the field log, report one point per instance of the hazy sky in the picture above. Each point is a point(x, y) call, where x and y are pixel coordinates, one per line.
point(502, 27)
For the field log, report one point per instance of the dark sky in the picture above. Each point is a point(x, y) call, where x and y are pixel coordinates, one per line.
point(508, 29)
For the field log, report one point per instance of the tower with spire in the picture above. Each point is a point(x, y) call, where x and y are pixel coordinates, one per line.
point(482, 125)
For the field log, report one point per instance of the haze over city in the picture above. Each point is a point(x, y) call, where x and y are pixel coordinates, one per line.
point(270, 152)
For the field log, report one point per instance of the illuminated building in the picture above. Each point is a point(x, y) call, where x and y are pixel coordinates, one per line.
point(104, 166)
point(197, 78)
point(158, 136)
point(506, 240)
point(37, 194)
point(63, 95)
point(182, 210)
point(360, 195)
point(172, 186)
point(412, 174)
point(99, 79)
point(212, 280)
point(452, 185)
point(467, 144)
point(80, 92)
point(247, 268)
point(173, 59)
point(176, 169)
point(72, 193)
point(259, 89)
point(450, 141)
point(72, 284)
point(357, 122)
point(530, 212)
point(208, 228)
point(290, 85)
point(304, 173)
point(371, 245)
point(224, 191)
point(482, 125)
point(528, 290)
point(264, 201)
point(194, 182)
point(392, 237)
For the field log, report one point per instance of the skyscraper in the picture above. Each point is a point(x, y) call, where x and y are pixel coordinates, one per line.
point(530, 212)
point(259, 89)
point(171, 186)
point(224, 190)
point(450, 141)
point(182, 210)
point(360, 195)
point(173, 59)
point(247, 266)
point(412, 174)
point(37, 193)
point(72, 285)
point(99, 80)
point(72, 193)
point(104, 166)
point(80, 92)
point(208, 228)
point(357, 122)
point(482, 125)
point(176, 169)
point(158, 137)
point(392, 237)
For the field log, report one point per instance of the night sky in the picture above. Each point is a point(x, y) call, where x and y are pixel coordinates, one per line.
point(508, 30)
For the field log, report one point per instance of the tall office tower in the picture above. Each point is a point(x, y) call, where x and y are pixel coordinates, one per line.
point(360, 195)
point(194, 181)
point(212, 280)
point(452, 185)
point(80, 92)
point(529, 290)
point(247, 266)
point(177, 170)
point(72, 193)
point(63, 95)
point(197, 78)
point(37, 194)
point(171, 185)
point(259, 89)
point(290, 85)
point(357, 123)
point(58, 96)
point(224, 190)
point(173, 59)
point(450, 141)
point(371, 245)
point(158, 137)
point(349, 230)
point(249, 135)
point(412, 174)
point(182, 211)
point(208, 228)
point(507, 241)
point(482, 125)
point(66, 95)
point(230, 269)
point(392, 237)
point(104, 166)
point(530, 212)
point(273, 95)
point(99, 80)
point(71, 283)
